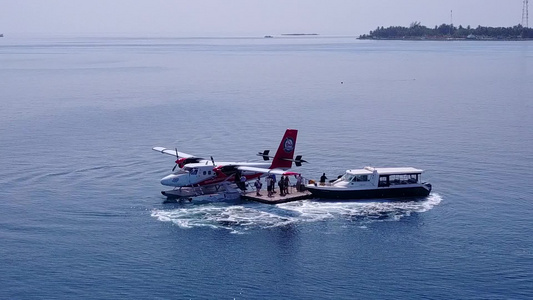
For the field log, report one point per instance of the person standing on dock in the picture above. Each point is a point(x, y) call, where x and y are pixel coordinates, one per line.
point(281, 184)
point(273, 183)
point(299, 183)
point(269, 186)
point(258, 186)
point(286, 184)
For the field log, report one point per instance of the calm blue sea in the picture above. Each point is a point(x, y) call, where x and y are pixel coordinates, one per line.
point(81, 214)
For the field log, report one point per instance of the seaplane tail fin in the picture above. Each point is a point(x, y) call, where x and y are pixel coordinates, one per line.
point(284, 156)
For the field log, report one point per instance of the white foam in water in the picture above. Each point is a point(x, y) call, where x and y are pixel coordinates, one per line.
point(311, 211)
point(239, 218)
point(235, 218)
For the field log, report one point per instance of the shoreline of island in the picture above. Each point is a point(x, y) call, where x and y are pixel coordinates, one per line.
point(448, 32)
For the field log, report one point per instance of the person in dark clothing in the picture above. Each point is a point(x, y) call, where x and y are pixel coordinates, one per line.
point(273, 183)
point(286, 184)
point(281, 184)
point(323, 179)
point(269, 186)
point(241, 182)
point(258, 186)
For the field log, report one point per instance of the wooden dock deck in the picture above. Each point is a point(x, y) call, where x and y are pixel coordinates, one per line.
point(276, 198)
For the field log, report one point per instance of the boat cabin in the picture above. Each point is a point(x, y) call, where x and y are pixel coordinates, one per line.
point(380, 177)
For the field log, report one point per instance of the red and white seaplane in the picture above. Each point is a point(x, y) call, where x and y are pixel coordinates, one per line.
point(199, 176)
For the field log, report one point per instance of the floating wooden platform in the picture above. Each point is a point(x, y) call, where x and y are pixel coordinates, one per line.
point(276, 198)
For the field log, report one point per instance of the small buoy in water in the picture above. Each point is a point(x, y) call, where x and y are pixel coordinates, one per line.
point(342, 82)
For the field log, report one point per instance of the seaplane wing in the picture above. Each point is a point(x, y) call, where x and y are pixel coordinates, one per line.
point(172, 152)
point(266, 170)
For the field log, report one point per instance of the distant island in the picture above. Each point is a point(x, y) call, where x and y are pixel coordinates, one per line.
point(449, 32)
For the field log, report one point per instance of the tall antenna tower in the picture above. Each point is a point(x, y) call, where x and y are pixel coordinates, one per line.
point(451, 17)
point(525, 14)
point(451, 21)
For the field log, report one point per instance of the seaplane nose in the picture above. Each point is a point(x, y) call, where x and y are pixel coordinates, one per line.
point(170, 180)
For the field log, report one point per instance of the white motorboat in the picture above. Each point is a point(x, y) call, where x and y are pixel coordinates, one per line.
point(371, 182)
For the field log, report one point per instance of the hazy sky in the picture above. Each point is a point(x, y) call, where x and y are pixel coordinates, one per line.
point(243, 17)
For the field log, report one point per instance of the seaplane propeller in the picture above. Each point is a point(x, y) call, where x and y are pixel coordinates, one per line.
point(177, 159)
point(213, 161)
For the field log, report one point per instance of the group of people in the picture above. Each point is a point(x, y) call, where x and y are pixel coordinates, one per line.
point(283, 184)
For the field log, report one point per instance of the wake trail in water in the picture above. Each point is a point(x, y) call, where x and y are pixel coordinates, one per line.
point(243, 217)
point(361, 210)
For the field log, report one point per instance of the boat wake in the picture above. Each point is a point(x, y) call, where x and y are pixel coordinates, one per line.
point(364, 211)
point(244, 217)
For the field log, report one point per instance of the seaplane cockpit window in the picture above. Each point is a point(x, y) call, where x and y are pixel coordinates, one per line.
point(182, 171)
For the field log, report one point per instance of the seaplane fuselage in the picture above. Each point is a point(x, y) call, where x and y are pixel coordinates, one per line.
point(207, 174)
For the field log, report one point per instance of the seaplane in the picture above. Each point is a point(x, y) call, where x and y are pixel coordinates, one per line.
point(194, 176)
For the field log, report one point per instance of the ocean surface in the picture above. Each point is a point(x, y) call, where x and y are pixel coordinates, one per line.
point(81, 214)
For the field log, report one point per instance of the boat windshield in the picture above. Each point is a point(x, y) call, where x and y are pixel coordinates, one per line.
point(347, 177)
point(352, 178)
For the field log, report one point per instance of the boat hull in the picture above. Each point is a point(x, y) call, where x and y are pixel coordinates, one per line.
point(387, 192)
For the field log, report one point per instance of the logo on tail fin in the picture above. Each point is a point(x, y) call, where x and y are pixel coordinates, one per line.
point(283, 158)
point(288, 145)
